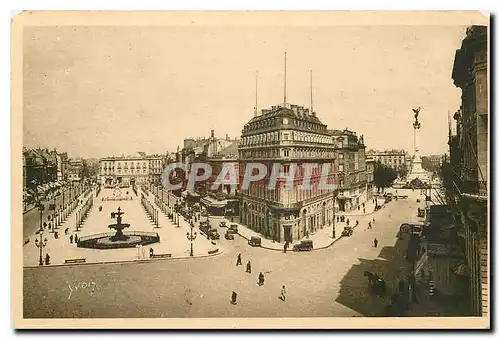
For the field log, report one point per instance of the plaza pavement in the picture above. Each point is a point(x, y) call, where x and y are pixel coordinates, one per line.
point(173, 239)
point(326, 283)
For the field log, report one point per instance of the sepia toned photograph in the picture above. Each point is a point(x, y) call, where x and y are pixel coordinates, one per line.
point(250, 170)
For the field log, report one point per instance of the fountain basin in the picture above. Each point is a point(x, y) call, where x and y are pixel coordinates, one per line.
point(108, 241)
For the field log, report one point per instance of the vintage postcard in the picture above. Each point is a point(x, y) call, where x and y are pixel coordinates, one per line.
point(250, 170)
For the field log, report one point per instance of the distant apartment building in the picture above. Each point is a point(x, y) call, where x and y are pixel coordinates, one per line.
point(370, 182)
point(217, 194)
point(432, 163)
point(397, 159)
point(75, 169)
point(351, 159)
point(124, 171)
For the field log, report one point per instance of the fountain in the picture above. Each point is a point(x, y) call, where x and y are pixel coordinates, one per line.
point(118, 227)
point(119, 239)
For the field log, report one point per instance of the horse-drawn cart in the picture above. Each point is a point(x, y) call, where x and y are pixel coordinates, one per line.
point(376, 284)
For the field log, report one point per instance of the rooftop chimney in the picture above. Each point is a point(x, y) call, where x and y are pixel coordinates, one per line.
point(313, 114)
point(212, 133)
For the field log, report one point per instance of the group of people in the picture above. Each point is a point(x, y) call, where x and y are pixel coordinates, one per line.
point(260, 280)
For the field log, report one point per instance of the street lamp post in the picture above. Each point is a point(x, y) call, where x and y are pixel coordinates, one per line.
point(191, 237)
point(42, 242)
point(178, 220)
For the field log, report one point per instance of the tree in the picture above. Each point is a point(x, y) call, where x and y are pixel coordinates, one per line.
point(383, 176)
point(402, 172)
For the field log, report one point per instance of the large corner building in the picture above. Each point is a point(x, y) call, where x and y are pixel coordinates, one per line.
point(293, 136)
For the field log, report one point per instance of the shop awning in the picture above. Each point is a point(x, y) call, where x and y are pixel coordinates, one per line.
point(214, 203)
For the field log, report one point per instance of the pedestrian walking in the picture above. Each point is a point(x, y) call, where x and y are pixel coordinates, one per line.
point(285, 246)
point(375, 242)
point(238, 259)
point(364, 211)
point(71, 239)
point(374, 220)
point(357, 222)
point(66, 231)
point(249, 267)
point(370, 226)
point(47, 259)
point(234, 295)
point(282, 296)
point(44, 224)
point(261, 279)
point(76, 238)
point(347, 221)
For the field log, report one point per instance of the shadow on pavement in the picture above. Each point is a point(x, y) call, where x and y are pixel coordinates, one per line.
point(390, 265)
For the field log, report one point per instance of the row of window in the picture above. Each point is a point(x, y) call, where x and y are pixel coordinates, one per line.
point(286, 152)
point(276, 121)
point(287, 136)
point(130, 171)
point(286, 196)
point(143, 164)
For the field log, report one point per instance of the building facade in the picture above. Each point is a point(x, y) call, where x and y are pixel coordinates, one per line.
point(469, 161)
point(351, 158)
point(75, 169)
point(291, 138)
point(397, 159)
point(370, 182)
point(432, 163)
point(126, 171)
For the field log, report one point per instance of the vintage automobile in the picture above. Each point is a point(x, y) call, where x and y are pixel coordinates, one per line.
point(417, 230)
point(421, 212)
point(347, 231)
point(222, 224)
point(214, 235)
point(205, 227)
point(254, 241)
point(229, 235)
point(234, 228)
point(305, 245)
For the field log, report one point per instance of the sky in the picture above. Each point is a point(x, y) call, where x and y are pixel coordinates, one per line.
point(98, 91)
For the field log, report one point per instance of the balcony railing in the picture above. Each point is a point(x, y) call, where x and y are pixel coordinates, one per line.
point(477, 188)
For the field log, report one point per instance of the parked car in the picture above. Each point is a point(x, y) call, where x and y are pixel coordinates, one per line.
point(222, 224)
point(417, 230)
point(229, 235)
point(205, 228)
point(234, 228)
point(254, 242)
point(421, 212)
point(214, 235)
point(305, 245)
point(347, 231)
